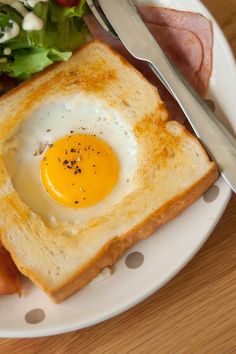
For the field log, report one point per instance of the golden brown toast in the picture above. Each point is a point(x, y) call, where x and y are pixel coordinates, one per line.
point(172, 171)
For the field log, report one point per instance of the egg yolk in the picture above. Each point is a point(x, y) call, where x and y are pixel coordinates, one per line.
point(79, 170)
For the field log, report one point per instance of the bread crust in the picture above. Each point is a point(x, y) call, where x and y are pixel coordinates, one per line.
point(117, 247)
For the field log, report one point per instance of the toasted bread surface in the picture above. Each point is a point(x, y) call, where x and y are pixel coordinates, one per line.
point(173, 171)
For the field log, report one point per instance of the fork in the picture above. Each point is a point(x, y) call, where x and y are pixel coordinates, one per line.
point(101, 17)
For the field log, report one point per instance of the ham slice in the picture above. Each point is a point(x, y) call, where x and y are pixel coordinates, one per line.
point(192, 22)
point(180, 42)
point(182, 47)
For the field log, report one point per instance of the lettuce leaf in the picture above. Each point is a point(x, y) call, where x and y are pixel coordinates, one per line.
point(30, 61)
point(8, 14)
point(32, 51)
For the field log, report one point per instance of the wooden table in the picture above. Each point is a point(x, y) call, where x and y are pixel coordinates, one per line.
point(193, 313)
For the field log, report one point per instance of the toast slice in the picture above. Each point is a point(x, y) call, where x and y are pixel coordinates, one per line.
point(173, 170)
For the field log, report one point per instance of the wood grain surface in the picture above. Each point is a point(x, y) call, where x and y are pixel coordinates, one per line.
point(193, 313)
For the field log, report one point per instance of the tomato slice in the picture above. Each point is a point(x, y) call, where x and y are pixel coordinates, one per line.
point(9, 274)
point(68, 3)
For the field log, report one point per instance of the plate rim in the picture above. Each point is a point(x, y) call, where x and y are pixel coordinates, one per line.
point(34, 332)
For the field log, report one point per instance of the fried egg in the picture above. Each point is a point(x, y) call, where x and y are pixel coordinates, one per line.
point(72, 159)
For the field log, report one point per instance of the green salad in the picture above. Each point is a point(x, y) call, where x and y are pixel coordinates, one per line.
point(34, 34)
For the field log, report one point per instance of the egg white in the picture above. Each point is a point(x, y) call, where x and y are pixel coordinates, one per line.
point(50, 122)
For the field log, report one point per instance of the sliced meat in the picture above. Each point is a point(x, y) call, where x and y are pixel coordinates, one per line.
point(9, 275)
point(193, 22)
point(182, 47)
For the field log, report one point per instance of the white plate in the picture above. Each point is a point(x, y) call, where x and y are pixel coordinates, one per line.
point(165, 253)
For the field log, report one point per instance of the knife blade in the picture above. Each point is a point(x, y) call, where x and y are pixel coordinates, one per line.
point(218, 141)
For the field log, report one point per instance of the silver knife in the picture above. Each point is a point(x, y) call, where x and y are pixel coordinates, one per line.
point(219, 142)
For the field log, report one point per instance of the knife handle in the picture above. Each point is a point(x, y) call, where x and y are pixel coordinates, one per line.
point(218, 141)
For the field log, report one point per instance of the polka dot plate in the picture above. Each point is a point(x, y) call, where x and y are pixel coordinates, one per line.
point(150, 263)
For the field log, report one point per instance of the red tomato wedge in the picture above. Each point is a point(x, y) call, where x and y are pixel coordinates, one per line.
point(68, 3)
point(9, 274)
